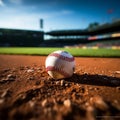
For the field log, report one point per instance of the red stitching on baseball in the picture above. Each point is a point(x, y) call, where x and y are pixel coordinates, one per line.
point(51, 68)
point(62, 57)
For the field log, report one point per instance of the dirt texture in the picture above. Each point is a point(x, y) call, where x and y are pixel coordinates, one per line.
point(27, 92)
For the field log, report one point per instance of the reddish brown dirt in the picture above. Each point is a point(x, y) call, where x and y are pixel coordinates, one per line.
point(28, 93)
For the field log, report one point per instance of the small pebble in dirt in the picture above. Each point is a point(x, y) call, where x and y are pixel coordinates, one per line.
point(44, 102)
point(57, 82)
point(118, 88)
point(85, 73)
point(91, 88)
point(11, 76)
point(96, 88)
point(66, 85)
point(118, 72)
point(31, 103)
point(62, 82)
point(4, 94)
point(30, 70)
point(1, 101)
point(67, 103)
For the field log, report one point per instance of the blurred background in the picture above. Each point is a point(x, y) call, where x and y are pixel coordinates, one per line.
point(60, 23)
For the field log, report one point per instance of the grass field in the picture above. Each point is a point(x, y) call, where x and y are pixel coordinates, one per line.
point(89, 52)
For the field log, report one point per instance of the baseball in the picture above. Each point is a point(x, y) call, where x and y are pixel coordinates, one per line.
point(60, 64)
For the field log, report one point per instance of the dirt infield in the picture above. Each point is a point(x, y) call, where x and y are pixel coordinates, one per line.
point(28, 93)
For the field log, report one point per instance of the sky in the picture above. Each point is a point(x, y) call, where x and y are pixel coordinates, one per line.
point(57, 14)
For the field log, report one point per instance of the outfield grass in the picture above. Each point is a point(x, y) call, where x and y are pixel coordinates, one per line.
point(74, 51)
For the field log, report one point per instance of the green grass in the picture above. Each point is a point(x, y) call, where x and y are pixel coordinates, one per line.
point(74, 51)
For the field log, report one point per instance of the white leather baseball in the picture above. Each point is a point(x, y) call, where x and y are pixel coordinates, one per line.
point(60, 64)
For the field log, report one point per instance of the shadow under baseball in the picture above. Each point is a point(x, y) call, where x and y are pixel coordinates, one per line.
point(99, 80)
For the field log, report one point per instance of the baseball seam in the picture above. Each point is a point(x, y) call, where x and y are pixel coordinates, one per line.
point(52, 68)
point(62, 57)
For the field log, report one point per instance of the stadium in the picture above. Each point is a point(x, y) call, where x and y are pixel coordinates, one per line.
point(31, 38)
